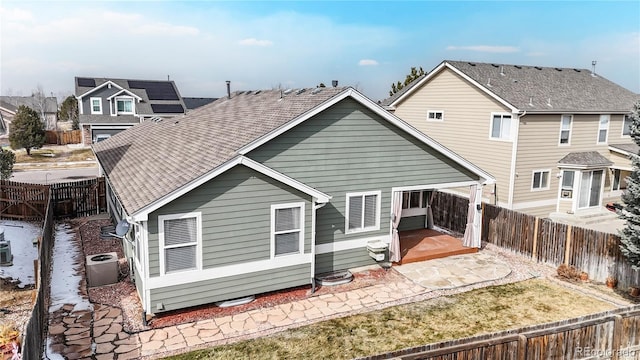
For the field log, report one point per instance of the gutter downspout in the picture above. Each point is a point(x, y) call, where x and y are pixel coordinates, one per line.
point(313, 244)
point(514, 154)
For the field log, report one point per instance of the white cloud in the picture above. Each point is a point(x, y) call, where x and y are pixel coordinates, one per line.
point(486, 48)
point(165, 29)
point(255, 42)
point(15, 15)
point(367, 62)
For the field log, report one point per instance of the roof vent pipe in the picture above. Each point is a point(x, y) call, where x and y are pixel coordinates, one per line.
point(334, 83)
point(229, 89)
point(489, 82)
point(549, 102)
point(502, 70)
point(531, 101)
point(593, 68)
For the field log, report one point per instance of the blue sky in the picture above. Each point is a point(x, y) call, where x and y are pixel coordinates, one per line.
point(262, 45)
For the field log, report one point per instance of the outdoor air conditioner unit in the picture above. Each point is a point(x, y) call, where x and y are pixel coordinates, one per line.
point(566, 194)
point(102, 269)
point(6, 258)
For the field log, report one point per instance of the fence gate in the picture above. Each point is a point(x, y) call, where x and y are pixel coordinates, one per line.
point(25, 202)
point(79, 198)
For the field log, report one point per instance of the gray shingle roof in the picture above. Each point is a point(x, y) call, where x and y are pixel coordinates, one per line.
point(153, 159)
point(545, 89)
point(630, 148)
point(195, 102)
point(585, 159)
point(50, 103)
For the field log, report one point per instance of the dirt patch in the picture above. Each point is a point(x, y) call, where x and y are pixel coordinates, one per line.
point(51, 154)
point(15, 304)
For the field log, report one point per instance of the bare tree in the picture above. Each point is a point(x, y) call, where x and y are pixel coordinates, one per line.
point(39, 99)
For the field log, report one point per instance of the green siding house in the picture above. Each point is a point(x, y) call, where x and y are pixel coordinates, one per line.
point(260, 191)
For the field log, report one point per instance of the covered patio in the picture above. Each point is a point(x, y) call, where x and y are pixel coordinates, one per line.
point(427, 244)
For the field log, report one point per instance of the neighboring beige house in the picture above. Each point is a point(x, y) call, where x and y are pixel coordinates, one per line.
point(46, 107)
point(555, 139)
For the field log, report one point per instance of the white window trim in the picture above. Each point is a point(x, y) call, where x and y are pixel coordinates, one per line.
point(346, 214)
point(273, 228)
point(570, 130)
point(93, 112)
point(548, 179)
point(561, 188)
point(622, 135)
point(435, 112)
point(161, 220)
point(511, 126)
point(416, 211)
point(133, 105)
point(600, 129)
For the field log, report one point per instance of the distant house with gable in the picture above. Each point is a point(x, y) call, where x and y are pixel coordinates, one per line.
point(107, 106)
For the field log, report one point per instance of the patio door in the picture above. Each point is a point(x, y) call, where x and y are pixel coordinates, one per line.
point(590, 189)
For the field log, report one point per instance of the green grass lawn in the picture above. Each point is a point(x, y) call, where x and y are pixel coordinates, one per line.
point(472, 313)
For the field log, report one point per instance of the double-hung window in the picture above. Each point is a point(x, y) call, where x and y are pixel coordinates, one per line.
point(363, 212)
point(565, 129)
point(287, 229)
point(603, 129)
point(180, 242)
point(96, 105)
point(124, 105)
point(501, 127)
point(540, 180)
point(626, 126)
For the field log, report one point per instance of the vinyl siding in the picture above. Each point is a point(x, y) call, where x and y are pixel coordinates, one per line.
point(340, 260)
point(347, 148)
point(620, 161)
point(103, 93)
point(204, 292)
point(539, 149)
point(236, 217)
point(466, 126)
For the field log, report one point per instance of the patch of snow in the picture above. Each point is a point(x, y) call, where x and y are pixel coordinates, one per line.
point(20, 234)
point(65, 280)
point(49, 353)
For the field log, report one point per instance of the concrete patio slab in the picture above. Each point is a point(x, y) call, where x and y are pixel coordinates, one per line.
point(455, 271)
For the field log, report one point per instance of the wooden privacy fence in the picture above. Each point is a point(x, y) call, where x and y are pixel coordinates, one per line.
point(34, 338)
point(28, 202)
point(543, 240)
point(608, 335)
point(60, 137)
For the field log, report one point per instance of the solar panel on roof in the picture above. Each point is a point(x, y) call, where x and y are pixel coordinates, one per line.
point(167, 108)
point(86, 82)
point(156, 90)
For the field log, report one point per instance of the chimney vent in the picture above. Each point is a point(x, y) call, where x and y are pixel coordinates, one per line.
point(228, 89)
point(334, 83)
point(593, 68)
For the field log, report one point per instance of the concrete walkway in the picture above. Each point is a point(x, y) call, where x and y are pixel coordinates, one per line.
point(77, 337)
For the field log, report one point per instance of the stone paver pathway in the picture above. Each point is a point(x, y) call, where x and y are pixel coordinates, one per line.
point(455, 271)
point(98, 334)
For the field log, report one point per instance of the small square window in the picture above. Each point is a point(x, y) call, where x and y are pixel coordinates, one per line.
point(540, 180)
point(287, 229)
point(363, 212)
point(435, 116)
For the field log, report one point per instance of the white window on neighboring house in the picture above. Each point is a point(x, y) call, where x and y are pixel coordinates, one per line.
point(626, 126)
point(501, 126)
point(180, 242)
point(124, 106)
point(540, 180)
point(287, 229)
point(603, 129)
point(435, 115)
point(619, 180)
point(96, 105)
point(566, 192)
point(363, 212)
point(565, 129)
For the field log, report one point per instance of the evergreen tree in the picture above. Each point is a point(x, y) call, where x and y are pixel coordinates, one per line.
point(27, 130)
point(414, 74)
point(630, 234)
point(69, 111)
point(7, 159)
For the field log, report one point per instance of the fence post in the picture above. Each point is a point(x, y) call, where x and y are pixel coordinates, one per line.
point(534, 250)
point(567, 246)
point(522, 347)
point(617, 333)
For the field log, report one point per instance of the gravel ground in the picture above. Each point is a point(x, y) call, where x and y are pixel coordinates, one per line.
point(123, 294)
